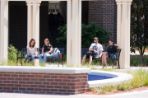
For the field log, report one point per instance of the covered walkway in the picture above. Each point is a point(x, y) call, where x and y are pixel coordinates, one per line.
point(74, 14)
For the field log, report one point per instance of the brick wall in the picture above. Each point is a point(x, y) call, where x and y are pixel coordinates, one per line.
point(45, 83)
point(103, 13)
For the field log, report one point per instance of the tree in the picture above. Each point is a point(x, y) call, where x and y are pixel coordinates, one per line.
point(91, 30)
point(139, 32)
point(88, 32)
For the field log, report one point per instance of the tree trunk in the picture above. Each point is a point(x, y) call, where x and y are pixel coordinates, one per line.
point(142, 60)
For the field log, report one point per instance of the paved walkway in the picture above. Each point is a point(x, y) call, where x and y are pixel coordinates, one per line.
point(136, 94)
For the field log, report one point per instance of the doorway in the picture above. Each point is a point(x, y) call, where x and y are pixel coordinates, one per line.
point(18, 24)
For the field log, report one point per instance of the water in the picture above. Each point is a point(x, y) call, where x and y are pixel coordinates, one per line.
point(99, 76)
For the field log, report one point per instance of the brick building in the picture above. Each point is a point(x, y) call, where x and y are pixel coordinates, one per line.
point(103, 13)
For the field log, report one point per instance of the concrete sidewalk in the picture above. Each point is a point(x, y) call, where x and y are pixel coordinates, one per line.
point(136, 94)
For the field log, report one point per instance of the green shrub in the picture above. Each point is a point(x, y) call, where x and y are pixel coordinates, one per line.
point(61, 39)
point(12, 53)
point(135, 60)
point(146, 60)
point(88, 32)
point(91, 30)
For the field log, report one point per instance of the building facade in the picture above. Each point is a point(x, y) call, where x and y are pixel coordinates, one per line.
point(22, 20)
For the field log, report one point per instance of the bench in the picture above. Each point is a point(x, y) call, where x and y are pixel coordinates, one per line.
point(21, 57)
point(117, 61)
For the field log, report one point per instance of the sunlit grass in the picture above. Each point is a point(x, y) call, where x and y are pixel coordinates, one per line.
point(140, 79)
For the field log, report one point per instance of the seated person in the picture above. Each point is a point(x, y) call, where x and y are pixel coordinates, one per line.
point(48, 51)
point(95, 51)
point(32, 52)
point(112, 50)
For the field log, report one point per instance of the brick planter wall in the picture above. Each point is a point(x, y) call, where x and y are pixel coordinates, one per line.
point(43, 83)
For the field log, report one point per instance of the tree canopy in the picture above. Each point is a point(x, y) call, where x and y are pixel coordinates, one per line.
point(139, 25)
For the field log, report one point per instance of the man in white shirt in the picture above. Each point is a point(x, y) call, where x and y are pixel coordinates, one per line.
point(95, 51)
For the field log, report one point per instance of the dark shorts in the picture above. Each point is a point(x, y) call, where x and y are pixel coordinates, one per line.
point(88, 54)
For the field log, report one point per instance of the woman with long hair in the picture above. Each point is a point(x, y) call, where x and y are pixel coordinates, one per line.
point(32, 51)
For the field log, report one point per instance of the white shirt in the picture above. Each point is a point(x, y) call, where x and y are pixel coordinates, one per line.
point(31, 51)
point(97, 48)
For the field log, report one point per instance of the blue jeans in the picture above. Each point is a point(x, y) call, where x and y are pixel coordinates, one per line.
point(113, 56)
point(31, 57)
point(44, 57)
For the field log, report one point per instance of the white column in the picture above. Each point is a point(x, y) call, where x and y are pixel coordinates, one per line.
point(33, 21)
point(29, 22)
point(3, 31)
point(79, 32)
point(69, 35)
point(118, 22)
point(76, 33)
point(36, 20)
point(124, 32)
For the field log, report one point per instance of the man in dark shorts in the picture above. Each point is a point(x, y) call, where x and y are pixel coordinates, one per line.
point(95, 51)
